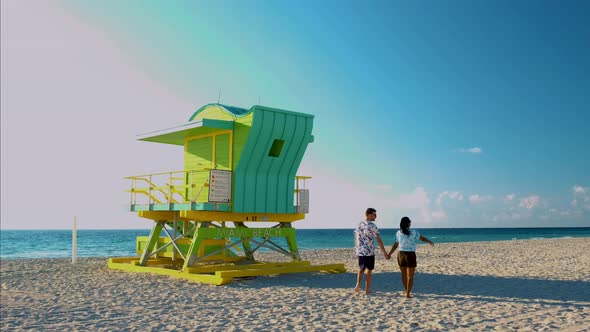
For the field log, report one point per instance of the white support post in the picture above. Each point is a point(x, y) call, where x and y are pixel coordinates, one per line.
point(74, 239)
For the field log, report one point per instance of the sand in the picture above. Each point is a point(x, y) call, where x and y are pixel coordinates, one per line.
point(529, 285)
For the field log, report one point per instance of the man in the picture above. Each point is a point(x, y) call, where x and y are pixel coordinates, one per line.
point(364, 234)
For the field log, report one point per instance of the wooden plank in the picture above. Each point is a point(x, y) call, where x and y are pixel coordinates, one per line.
point(156, 215)
point(122, 259)
point(280, 270)
point(215, 268)
point(234, 216)
point(239, 232)
point(152, 240)
point(203, 278)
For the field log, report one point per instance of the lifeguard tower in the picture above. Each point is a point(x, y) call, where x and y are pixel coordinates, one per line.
point(239, 167)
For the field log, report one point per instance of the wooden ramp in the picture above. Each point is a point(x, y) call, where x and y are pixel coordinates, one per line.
point(218, 274)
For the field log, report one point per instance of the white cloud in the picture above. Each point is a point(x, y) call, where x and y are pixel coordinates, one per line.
point(418, 202)
point(473, 150)
point(508, 216)
point(338, 202)
point(581, 197)
point(476, 199)
point(417, 199)
point(454, 195)
point(383, 187)
point(530, 202)
point(335, 202)
point(439, 214)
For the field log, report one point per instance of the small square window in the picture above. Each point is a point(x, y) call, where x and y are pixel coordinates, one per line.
point(275, 149)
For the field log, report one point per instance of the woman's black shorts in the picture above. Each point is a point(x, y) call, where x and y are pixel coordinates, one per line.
point(406, 259)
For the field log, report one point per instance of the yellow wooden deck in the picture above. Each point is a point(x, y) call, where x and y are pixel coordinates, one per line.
point(218, 274)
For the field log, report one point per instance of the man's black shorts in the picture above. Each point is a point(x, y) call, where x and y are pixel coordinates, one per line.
point(367, 262)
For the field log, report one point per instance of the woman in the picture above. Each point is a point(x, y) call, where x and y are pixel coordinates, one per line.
point(405, 239)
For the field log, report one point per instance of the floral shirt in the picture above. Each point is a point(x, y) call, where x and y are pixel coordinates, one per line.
point(407, 242)
point(364, 234)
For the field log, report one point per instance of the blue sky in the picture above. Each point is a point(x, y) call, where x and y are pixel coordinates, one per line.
point(457, 113)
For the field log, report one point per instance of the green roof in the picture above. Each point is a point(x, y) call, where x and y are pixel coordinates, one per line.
point(176, 135)
point(235, 111)
point(238, 112)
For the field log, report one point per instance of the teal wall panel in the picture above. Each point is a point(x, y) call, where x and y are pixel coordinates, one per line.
point(248, 163)
point(255, 201)
point(282, 200)
point(242, 129)
point(306, 126)
point(264, 183)
point(286, 181)
point(266, 186)
point(243, 176)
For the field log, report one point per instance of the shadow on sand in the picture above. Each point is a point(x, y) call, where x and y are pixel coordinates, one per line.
point(488, 288)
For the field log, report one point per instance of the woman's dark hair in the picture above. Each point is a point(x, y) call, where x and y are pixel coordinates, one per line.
point(404, 225)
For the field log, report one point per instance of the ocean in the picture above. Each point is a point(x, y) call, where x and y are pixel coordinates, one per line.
point(112, 243)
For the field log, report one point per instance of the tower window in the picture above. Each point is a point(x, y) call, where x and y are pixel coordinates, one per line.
point(275, 149)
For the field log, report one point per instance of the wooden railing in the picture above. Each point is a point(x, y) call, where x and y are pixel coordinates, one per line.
point(167, 187)
point(185, 187)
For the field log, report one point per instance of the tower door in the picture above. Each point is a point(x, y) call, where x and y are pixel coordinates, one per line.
point(222, 149)
point(198, 161)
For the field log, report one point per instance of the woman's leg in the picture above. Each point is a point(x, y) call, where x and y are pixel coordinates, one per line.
point(410, 280)
point(404, 277)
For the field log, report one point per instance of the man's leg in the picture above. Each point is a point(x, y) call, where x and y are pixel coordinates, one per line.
point(359, 279)
point(368, 282)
